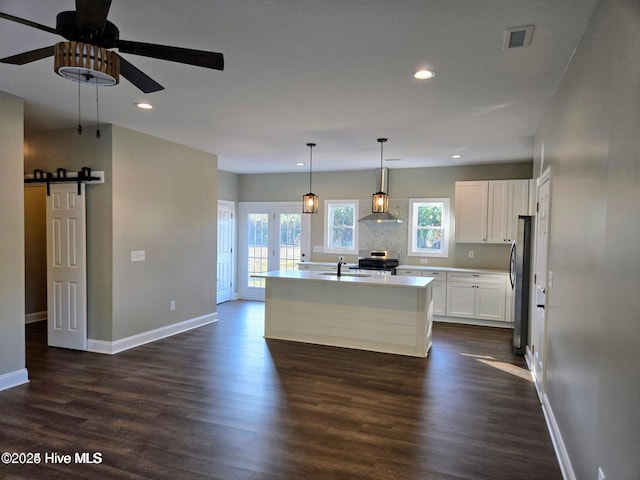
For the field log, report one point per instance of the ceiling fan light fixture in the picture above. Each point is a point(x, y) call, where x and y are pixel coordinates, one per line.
point(86, 63)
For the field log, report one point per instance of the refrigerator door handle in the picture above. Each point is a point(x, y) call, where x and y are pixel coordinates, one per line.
point(512, 264)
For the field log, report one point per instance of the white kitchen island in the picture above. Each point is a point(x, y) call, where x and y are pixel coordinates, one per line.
point(367, 311)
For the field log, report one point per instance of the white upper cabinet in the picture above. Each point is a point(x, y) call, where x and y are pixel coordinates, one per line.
point(471, 211)
point(498, 215)
point(494, 218)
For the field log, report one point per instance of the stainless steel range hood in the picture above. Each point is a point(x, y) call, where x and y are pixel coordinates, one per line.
point(381, 217)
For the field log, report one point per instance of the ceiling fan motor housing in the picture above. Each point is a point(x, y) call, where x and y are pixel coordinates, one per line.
point(67, 26)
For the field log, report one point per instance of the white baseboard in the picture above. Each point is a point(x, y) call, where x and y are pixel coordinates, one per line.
point(35, 317)
point(556, 439)
point(473, 321)
point(13, 379)
point(110, 348)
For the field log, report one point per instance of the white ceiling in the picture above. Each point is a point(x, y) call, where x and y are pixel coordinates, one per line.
point(334, 72)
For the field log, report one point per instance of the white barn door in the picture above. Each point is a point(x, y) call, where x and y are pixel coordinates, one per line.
point(66, 267)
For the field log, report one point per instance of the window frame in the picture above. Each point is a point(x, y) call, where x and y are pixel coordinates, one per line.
point(328, 226)
point(412, 249)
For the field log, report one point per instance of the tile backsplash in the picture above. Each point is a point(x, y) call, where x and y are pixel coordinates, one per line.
point(386, 236)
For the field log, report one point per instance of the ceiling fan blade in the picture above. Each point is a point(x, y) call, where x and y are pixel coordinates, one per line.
point(199, 58)
point(29, 23)
point(93, 13)
point(138, 78)
point(27, 57)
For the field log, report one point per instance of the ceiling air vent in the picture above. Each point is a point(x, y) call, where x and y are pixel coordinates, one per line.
point(517, 37)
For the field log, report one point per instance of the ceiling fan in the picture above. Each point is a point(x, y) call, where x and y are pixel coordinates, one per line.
point(87, 55)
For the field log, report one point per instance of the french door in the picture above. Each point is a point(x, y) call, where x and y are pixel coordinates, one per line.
point(271, 236)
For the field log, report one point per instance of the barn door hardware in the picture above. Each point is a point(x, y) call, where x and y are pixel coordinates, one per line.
point(63, 176)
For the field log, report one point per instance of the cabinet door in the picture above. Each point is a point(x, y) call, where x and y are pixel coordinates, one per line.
point(518, 205)
point(461, 300)
point(490, 302)
point(498, 214)
point(471, 212)
point(439, 292)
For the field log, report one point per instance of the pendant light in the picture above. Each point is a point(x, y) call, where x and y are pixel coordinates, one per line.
point(380, 201)
point(310, 200)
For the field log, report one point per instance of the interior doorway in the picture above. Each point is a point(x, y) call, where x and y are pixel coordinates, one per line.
point(541, 281)
point(225, 263)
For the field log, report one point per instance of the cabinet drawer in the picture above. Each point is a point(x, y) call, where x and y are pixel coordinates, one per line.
point(408, 273)
point(435, 274)
point(492, 278)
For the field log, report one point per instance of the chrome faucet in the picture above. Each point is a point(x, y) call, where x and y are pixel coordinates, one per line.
point(340, 263)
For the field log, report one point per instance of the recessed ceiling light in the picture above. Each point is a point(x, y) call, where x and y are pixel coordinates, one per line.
point(456, 155)
point(144, 106)
point(300, 164)
point(424, 74)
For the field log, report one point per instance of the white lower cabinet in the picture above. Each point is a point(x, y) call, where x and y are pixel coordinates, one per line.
point(439, 286)
point(439, 295)
point(481, 296)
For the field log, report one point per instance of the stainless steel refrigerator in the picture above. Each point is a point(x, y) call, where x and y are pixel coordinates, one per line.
point(520, 275)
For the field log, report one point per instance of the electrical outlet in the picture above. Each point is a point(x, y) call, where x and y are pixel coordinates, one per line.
point(601, 474)
point(172, 305)
point(137, 255)
point(471, 253)
point(424, 261)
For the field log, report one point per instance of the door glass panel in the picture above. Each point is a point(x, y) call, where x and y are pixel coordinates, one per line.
point(290, 234)
point(258, 247)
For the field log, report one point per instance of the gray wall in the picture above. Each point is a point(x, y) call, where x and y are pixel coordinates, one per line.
point(12, 353)
point(159, 197)
point(403, 184)
point(165, 202)
point(228, 186)
point(590, 138)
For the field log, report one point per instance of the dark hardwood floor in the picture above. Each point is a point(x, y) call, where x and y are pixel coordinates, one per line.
point(221, 402)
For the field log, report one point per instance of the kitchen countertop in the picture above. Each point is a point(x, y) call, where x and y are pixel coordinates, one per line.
point(451, 269)
point(369, 278)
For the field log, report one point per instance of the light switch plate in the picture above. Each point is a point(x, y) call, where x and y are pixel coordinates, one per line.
point(318, 249)
point(137, 255)
point(424, 261)
point(471, 253)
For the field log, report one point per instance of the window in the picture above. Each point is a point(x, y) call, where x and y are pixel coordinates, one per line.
point(429, 224)
point(341, 233)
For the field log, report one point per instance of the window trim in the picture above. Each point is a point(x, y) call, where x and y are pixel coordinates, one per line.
point(446, 227)
point(328, 204)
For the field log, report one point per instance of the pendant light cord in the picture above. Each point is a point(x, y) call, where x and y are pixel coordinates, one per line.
point(310, 145)
point(97, 112)
point(79, 122)
point(381, 140)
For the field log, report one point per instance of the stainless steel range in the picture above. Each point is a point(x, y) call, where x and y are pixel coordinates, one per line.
point(381, 260)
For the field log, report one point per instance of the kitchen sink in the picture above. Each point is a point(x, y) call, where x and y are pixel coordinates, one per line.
point(334, 274)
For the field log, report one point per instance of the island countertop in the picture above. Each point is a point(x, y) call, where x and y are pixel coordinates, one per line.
point(368, 278)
